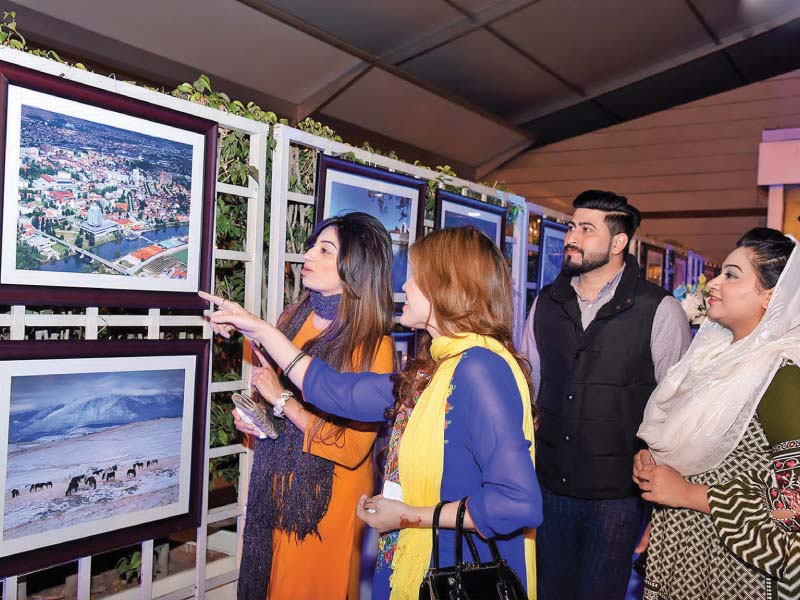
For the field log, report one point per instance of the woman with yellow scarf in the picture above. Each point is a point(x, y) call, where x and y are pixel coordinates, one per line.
point(463, 415)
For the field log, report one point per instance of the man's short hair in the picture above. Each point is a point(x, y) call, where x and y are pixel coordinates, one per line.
point(621, 217)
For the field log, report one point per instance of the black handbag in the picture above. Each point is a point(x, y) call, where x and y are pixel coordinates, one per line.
point(493, 580)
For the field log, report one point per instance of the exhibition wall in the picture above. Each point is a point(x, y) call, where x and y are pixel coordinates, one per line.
point(235, 198)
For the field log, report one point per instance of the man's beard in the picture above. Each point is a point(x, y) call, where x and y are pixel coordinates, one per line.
point(590, 262)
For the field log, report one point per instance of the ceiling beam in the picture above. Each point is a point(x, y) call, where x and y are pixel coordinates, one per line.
point(113, 56)
point(303, 26)
point(330, 92)
point(356, 135)
point(496, 162)
point(715, 38)
point(451, 33)
point(530, 114)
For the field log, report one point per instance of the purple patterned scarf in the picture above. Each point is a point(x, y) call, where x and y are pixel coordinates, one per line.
point(274, 502)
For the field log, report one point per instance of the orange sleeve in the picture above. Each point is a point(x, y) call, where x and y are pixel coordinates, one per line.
point(353, 444)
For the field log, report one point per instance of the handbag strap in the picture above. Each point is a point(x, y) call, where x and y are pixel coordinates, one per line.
point(461, 533)
point(473, 549)
point(462, 509)
point(435, 525)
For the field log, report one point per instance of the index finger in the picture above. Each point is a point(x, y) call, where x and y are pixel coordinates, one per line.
point(218, 300)
point(261, 358)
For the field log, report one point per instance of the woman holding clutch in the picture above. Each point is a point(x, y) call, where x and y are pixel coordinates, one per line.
point(304, 484)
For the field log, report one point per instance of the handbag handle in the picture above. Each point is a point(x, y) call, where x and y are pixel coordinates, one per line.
point(436, 514)
point(461, 533)
point(462, 510)
point(435, 527)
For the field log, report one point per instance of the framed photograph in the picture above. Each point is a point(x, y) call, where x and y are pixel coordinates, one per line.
point(101, 446)
point(454, 210)
point(106, 200)
point(679, 269)
point(397, 201)
point(551, 251)
point(653, 263)
point(405, 344)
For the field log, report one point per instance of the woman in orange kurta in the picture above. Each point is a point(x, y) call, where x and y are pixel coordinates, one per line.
point(326, 573)
point(302, 539)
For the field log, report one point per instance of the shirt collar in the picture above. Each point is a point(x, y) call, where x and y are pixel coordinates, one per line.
point(607, 290)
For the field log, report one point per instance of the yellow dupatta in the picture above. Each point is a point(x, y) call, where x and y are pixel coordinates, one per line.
point(421, 461)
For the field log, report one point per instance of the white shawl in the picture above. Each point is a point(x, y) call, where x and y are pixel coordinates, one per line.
point(701, 409)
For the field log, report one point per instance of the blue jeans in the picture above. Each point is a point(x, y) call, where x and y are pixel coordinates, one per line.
point(584, 547)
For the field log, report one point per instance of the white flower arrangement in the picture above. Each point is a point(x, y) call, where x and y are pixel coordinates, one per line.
point(693, 300)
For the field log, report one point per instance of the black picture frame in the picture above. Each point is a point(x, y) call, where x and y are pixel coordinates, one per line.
point(455, 210)
point(148, 356)
point(343, 186)
point(50, 99)
point(551, 252)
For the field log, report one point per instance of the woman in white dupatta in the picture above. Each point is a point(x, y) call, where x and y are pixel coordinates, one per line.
point(723, 432)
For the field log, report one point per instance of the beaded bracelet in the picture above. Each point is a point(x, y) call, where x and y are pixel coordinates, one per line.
point(277, 408)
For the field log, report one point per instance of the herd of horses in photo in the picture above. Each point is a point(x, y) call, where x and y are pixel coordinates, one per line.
point(88, 479)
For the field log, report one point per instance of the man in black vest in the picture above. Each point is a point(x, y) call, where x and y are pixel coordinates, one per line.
point(599, 338)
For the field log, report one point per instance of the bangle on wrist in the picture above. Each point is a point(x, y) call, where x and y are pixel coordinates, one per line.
point(280, 403)
point(292, 364)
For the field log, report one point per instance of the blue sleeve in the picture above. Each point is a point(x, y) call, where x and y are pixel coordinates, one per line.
point(509, 498)
point(356, 396)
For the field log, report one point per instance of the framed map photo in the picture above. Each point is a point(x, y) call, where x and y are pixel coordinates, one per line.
point(397, 201)
point(105, 201)
point(551, 251)
point(101, 446)
point(454, 210)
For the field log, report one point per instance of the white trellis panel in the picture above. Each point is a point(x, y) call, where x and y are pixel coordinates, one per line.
point(215, 575)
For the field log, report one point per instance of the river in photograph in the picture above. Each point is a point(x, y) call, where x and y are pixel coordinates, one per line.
point(113, 250)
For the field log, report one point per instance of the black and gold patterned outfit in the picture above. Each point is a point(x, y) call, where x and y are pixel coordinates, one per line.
point(749, 546)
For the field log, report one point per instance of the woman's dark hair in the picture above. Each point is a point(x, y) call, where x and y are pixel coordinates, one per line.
point(770, 252)
point(366, 310)
point(621, 217)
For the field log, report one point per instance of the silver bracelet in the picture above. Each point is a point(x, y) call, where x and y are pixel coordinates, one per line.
point(277, 408)
point(295, 360)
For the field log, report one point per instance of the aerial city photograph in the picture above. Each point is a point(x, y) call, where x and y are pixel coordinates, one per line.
point(99, 199)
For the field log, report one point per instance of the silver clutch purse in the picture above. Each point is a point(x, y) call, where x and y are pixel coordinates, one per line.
point(257, 414)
